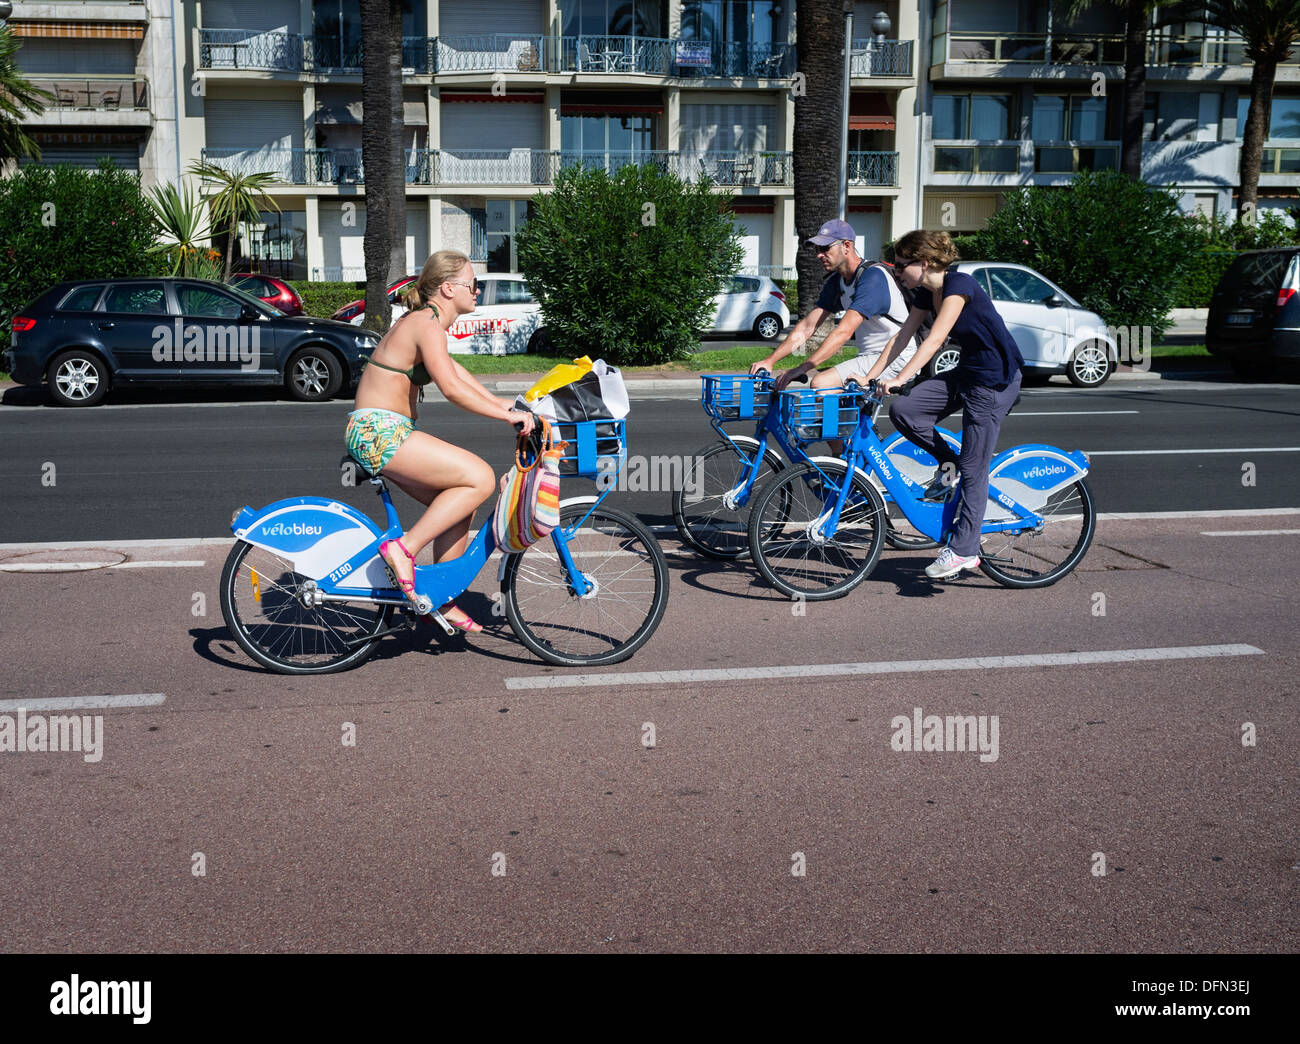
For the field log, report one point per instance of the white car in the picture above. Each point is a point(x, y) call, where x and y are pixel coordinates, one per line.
point(751, 304)
point(1054, 332)
point(507, 320)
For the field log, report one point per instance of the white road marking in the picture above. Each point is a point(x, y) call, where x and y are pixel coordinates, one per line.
point(139, 699)
point(1250, 532)
point(1173, 452)
point(73, 545)
point(73, 567)
point(1225, 513)
point(827, 670)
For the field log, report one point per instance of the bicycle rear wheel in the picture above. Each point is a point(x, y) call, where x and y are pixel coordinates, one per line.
point(702, 518)
point(786, 542)
point(608, 624)
point(264, 605)
point(1040, 557)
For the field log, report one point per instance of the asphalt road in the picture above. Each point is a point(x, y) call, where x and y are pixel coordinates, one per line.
point(1140, 797)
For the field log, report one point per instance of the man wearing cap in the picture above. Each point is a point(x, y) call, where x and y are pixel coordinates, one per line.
point(874, 310)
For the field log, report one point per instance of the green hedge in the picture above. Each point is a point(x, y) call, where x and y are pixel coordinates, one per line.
point(324, 299)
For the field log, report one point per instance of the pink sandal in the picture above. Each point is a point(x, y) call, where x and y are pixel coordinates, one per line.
point(407, 586)
point(468, 625)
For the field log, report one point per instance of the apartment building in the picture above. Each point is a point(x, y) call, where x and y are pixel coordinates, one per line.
point(110, 65)
point(501, 94)
point(1017, 94)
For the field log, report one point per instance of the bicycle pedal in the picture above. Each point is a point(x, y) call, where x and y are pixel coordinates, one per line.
point(441, 621)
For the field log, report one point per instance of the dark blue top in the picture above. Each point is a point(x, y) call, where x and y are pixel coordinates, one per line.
point(989, 355)
point(870, 296)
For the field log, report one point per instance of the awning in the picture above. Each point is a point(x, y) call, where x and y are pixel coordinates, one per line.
point(530, 97)
point(341, 112)
point(42, 137)
point(869, 112)
point(79, 30)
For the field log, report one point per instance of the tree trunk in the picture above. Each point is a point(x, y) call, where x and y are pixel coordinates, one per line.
point(381, 155)
point(1258, 118)
point(1135, 88)
point(819, 88)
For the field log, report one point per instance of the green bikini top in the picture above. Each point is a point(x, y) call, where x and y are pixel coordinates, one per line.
point(417, 374)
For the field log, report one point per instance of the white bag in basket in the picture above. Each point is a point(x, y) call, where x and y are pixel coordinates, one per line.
point(613, 401)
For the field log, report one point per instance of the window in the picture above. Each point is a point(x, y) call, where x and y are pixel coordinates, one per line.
point(1285, 121)
point(978, 117)
point(1012, 284)
point(278, 247)
point(1176, 115)
point(1068, 117)
point(613, 17)
point(137, 298)
point(82, 299)
point(503, 218)
point(510, 291)
point(207, 303)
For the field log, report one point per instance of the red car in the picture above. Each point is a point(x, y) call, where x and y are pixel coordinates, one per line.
point(355, 308)
point(275, 292)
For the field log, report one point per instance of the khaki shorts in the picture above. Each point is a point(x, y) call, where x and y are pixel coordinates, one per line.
point(859, 367)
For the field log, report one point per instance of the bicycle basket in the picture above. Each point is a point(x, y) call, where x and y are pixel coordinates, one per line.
point(597, 447)
point(732, 396)
point(811, 416)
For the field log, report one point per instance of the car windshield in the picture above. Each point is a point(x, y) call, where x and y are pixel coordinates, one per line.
point(248, 298)
point(1257, 271)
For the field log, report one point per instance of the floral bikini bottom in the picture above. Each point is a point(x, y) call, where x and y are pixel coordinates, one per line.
point(373, 436)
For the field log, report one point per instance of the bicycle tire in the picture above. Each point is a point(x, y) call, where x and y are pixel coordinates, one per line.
point(1069, 522)
point(901, 534)
point(609, 624)
point(261, 607)
point(706, 524)
point(778, 532)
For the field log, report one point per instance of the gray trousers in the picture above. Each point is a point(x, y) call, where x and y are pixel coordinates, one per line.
point(915, 415)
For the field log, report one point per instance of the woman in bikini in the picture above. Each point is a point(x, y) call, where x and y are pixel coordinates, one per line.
point(381, 435)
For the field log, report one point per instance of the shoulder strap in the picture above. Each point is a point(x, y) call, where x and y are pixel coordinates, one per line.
point(892, 274)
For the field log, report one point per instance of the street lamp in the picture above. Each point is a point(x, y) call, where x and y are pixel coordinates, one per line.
point(6, 9)
point(844, 126)
point(880, 25)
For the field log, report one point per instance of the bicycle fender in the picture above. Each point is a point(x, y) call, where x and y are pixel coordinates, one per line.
point(1033, 472)
point(315, 535)
point(914, 462)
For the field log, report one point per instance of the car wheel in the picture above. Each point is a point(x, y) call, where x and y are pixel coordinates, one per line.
point(78, 378)
point(768, 326)
point(313, 375)
point(945, 359)
point(1090, 366)
point(540, 343)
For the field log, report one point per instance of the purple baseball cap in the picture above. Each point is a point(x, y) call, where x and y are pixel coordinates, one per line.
point(832, 232)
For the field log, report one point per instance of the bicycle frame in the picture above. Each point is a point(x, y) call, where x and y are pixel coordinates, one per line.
point(334, 545)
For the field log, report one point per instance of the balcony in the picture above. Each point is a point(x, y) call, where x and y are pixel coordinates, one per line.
point(873, 168)
point(469, 167)
point(94, 102)
point(881, 58)
point(1188, 164)
point(239, 49)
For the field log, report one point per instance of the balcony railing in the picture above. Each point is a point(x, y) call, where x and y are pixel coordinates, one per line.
point(999, 158)
point(519, 52)
point(1280, 161)
point(1092, 49)
point(1070, 159)
point(873, 168)
point(302, 166)
point(101, 93)
point(881, 58)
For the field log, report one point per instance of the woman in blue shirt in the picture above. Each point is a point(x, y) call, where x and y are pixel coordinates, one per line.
point(984, 384)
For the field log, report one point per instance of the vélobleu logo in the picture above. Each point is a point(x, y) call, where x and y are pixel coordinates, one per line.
point(1042, 471)
point(293, 529)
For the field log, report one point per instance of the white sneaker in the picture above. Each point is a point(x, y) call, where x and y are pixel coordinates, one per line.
point(949, 563)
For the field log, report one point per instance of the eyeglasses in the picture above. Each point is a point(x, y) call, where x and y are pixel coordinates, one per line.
point(827, 248)
point(907, 264)
point(460, 282)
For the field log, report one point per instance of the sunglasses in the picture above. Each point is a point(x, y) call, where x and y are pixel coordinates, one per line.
point(460, 282)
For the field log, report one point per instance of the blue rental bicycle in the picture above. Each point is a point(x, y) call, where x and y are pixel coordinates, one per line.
point(714, 517)
point(816, 530)
point(304, 590)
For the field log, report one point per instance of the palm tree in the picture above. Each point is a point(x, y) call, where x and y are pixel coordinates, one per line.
point(1270, 28)
point(381, 154)
point(237, 199)
point(179, 219)
point(819, 49)
point(18, 97)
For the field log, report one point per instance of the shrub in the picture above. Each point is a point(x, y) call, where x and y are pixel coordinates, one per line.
point(626, 266)
point(1120, 247)
point(67, 223)
point(324, 299)
point(1220, 242)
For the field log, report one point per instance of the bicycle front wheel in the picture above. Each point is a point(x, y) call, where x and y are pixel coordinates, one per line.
point(629, 577)
point(787, 535)
point(267, 607)
point(1040, 557)
point(702, 517)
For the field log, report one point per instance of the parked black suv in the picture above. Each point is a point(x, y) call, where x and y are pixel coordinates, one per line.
point(83, 337)
point(1255, 311)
